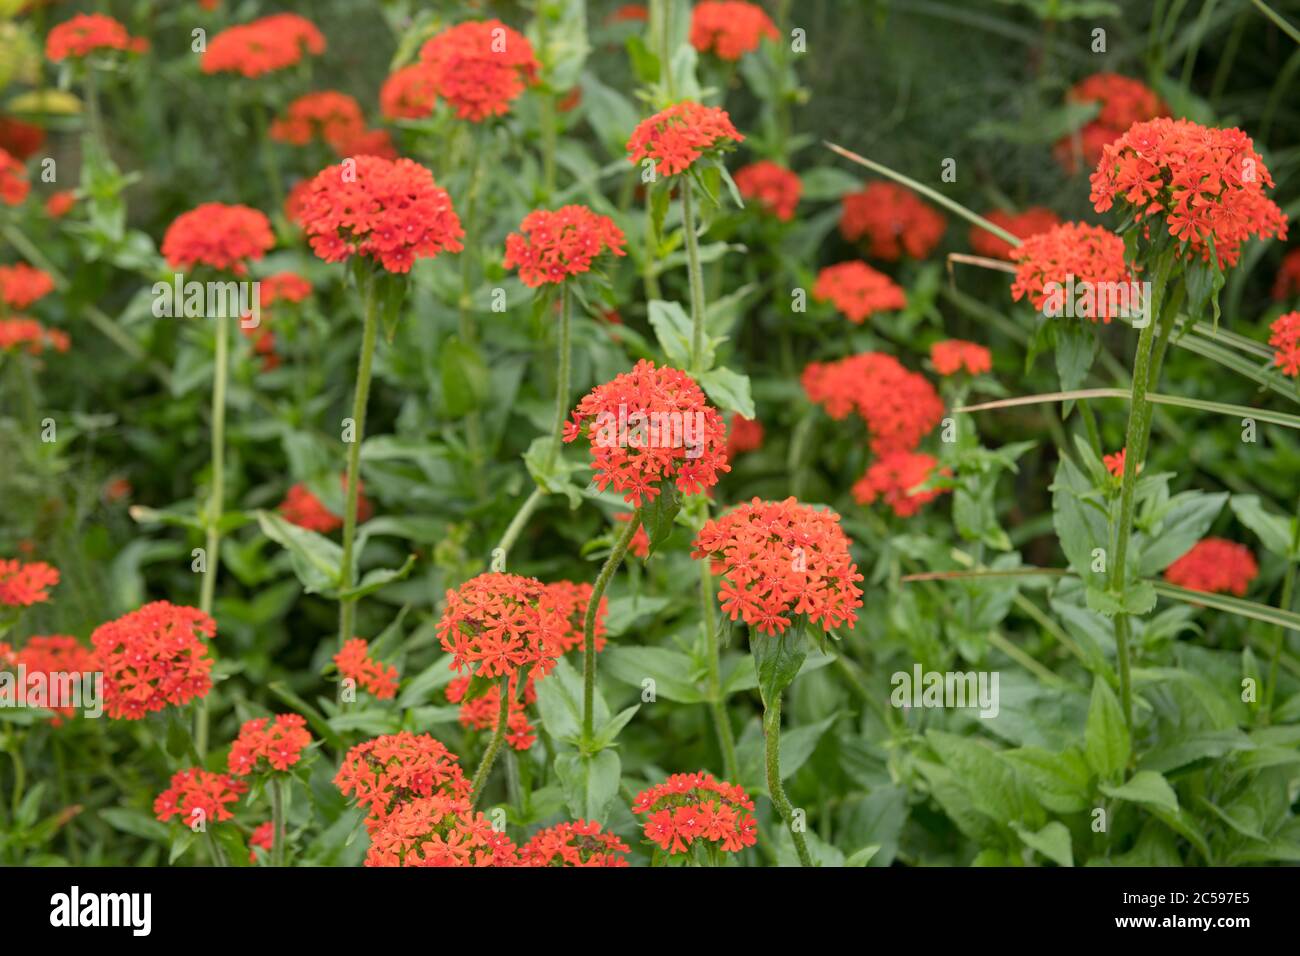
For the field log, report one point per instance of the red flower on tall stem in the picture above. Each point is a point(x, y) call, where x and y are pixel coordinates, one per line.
point(675, 137)
point(496, 625)
point(730, 28)
point(274, 743)
point(552, 246)
point(900, 407)
point(894, 477)
point(218, 235)
point(774, 187)
point(480, 67)
point(691, 807)
point(154, 656)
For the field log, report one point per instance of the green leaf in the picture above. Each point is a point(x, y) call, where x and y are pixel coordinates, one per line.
point(864, 856)
point(1076, 349)
point(1060, 781)
point(1185, 520)
point(1273, 530)
point(316, 560)
point(659, 515)
point(1106, 738)
point(590, 782)
point(378, 578)
point(672, 671)
point(674, 332)
point(464, 377)
point(729, 390)
point(1052, 841)
point(777, 659)
point(559, 702)
point(606, 734)
point(1145, 787)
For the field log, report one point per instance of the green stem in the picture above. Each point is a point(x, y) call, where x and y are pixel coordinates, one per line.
point(494, 745)
point(562, 379)
point(279, 789)
point(717, 703)
point(697, 281)
point(661, 16)
point(615, 558)
point(347, 606)
point(772, 738)
point(519, 521)
point(215, 508)
point(1288, 590)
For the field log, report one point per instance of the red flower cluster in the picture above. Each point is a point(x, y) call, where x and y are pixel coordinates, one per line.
point(771, 185)
point(409, 93)
point(744, 434)
point(1115, 463)
point(22, 585)
point(676, 137)
point(304, 509)
point(551, 246)
point(368, 142)
point(218, 235)
point(328, 115)
point(891, 221)
point(574, 844)
point(894, 477)
point(13, 180)
point(1124, 101)
point(87, 32)
point(1285, 338)
point(1022, 225)
point(384, 773)
point(639, 546)
point(21, 140)
point(355, 663)
point(730, 28)
point(60, 204)
point(1207, 183)
point(263, 837)
point(649, 425)
point(694, 806)
point(497, 624)
point(439, 831)
point(279, 740)
point(24, 332)
point(1090, 254)
point(55, 654)
point(198, 796)
point(479, 67)
point(263, 46)
point(900, 407)
point(954, 355)
point(152, 657)
point(282, 287)
point(1287, 282)
point(857, 290)
point(21, 285)
point(483, 712)
point(1215, 565)
point(571, 601)
point(389, 210)
point(779, 558)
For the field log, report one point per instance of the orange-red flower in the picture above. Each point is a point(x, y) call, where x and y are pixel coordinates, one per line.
point(955, 355)
point(1090, 257)
point(60, 204)
point(1287, 282)
point(198, 796)
point(56, 654)
point(14, 186)
point(771, 185)
point(639, 546)
point(891, 221)
point(355, 663)
point(368, 142)
point(1115, 463)
point(22, 585)
point(483, 712)
point(22, 332)
point(694, 806)
point(21, 285)
point(327, 115)
point(1206, 183)
point(858, 291)
point(574, 844)
point(409, 93)
point(650, 425)
point(262, 46)
point(571, 601)
point(479, 67)
point(552, 246)
point(263, 837)
point(1215, 565)
point(21, 140)
point(1123, 101)
point(730, 28)
point(304, 509)
point(744, 434)
point(498, 624)
point(384, 773)
point(674, 138)
point(439, 831)
point(894, 477)
point(87, 32)
point(1285, 338)
point(391, 211)
point(278, 741)
point(152, 657)
point(1022, 225)
point(215, 234)
point(900, 407)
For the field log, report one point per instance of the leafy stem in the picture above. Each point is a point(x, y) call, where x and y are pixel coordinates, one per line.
point(606, 574)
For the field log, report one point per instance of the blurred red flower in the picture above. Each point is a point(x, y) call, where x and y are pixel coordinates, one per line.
point(222, 236)
point(894, 477)
point(262, 46)
point(900, 407)
point(771, 185)
point(730, 28)
point(1285, 339)
point(14, 186)
point(674, 138)
point(87, 32)
point(955, 355)
point(409, 93)
point(479, 67)
point(1022, 225)
point(858, 291)
point(1215, 565)
point(21, 285)
point(22, 585)
point(891, 221)
point(1123, 101)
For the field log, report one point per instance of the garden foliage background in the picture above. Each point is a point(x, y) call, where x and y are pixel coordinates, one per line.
point(1208, 773)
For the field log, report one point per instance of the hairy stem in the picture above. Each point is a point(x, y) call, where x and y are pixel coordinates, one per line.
point(278, 800)
point(772, 746)
point(717, 703)
point(494, 745)
point(589, 625)
point(697, 281)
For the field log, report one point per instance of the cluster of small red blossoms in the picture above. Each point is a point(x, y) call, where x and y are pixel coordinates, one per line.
point(1215, 565)
point(1287, 282)
point(88, 32)
point(21, 140)
point(21, 285)
point(858, 291)
point(891, 221)
point(629, 450)
point(479, 67)
point(279, 741)
point(894, 478)
point(639, 546)
point(23, 584)
point(955, 355)
point(1089, 253)
point(221, 236)
point(441, 831)
point(778, 559)
point(730, 28)
point(355, 663)
point(262, 46)
point(899, 406)
point(574, 844)
point(773, 186)
point(304, 509)
point(743, 435)
point(552, 246)
point(1207, 183)
point(30, 335)
point(198, 797)
point(1284, 336)
point(152, 657)
point(1115, 463)
point(408, 93)
point(384, 773)
point(675, 137)
point(60, 204)
point(263, 837)
point(1022, 225)
point(483, 712)
point(334, 118)
point(13, 180)
point(1123, 102)
point(497, 624)
point(694, 806)
point(571, 601)
point(55, 654)
point(389, 210)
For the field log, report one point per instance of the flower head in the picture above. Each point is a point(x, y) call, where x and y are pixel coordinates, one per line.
point(391, 211)
point(22, 585)
point(1115, 463)
point(894, 478)
point(639, 546)
point(304, 509)
point(56, 654)
point(674, 138)
point(22, 332)
point(744, 435)
point(777, 559)
point(389, 771)
point(60, 204)
point(262, 46)
point(955, 355)
point(1123, 101)
point(483, 712)
point(279, 741)
point(574, 844)
point(152, 657)
point(439, 831)
point(773, 186)
point(1022, 225)
point(1215, 565)
point(1287, 282)
point(858, 291)
point(87, 32)
point(409, 93)
point(1285, 338)
point(900, 407)
point(355, 663)
point(21, 285)
point(694, 806)
point(730, 28)
point(571, 601)
point(551, 246)
point(218, 235)
point(1206, 183)
point(891, 221)
point(20, 139)
point(479, 67)
point(327, 115)
point(498, 624)
point(1077, 252)
point(261, 838)
point(198, 797)
point(13, 180)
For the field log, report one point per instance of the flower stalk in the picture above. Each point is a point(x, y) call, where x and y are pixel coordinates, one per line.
point(606, 574)
point(494, 745)
point(772, 751)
